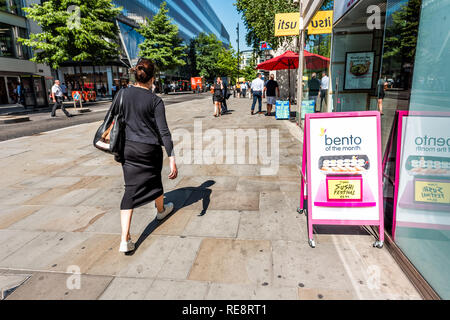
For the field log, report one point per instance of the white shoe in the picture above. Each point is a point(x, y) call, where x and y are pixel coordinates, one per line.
point(168, 208)
point(126, 246)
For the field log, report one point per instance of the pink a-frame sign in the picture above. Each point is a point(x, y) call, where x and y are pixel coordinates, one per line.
point(321, 210)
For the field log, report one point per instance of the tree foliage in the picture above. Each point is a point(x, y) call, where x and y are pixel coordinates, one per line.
point(162, 43)
point(259, 18)
point(88, 32)
point(401, 36)
point(212, 58)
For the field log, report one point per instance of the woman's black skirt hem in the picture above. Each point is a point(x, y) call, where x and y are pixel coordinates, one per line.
point(142, 173)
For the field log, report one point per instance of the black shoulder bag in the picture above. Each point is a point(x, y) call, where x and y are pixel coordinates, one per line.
point(110, 136)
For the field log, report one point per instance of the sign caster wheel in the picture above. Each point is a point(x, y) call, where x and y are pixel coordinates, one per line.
point(378, 244)
point(312, 243)
point(301, 211)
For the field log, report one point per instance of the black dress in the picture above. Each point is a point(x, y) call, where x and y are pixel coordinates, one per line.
point(146, 130)
point(218, 93)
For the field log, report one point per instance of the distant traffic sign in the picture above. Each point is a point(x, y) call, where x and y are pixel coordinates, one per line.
point(265, 46)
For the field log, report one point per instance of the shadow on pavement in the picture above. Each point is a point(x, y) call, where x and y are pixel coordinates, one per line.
point(181, 198)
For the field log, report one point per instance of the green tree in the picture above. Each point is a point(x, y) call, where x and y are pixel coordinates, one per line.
point(227, 63)
point(208, 49)
point(162, 43)
point(75, 30)
point(259, 18)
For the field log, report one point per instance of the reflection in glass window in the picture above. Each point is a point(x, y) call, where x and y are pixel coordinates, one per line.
point(423, 206)
point(12, 6)
point(6, 41)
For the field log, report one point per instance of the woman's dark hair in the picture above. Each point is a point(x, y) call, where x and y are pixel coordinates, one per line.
point(144, 70)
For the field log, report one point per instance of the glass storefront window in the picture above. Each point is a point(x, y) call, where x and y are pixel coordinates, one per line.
point(423, 206)
point(6, 41)
point(23, 51)
point(12, 83)
point(3, 91)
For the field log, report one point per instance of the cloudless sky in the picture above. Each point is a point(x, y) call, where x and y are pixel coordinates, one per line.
point(229, 16)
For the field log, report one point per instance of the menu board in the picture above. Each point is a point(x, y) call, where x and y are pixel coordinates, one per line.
point(358, 70)
point(282, 110)
point(308, 106)
point(344, 155)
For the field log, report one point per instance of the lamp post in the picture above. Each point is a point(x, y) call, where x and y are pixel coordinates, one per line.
point(239, 54)
point(300, 64)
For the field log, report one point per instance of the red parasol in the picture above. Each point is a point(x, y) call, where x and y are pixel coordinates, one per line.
point(289, 60)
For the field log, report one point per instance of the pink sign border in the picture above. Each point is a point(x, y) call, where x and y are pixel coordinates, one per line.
point(401, 114)
point(306, 171)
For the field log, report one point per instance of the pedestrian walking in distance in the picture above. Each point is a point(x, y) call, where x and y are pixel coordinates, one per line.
point(58, 98)
point(323, 89)
point(218, 96)
point(270, 89)
point(313, 87)
point(257, 90)
point(145, 131)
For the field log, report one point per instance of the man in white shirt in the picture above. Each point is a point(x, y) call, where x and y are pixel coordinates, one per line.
point(244, 89)
point(58, 98)
point(324, 82)
point(257, 88)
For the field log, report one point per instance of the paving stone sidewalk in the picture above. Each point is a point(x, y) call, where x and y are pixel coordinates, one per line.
point(59, 213)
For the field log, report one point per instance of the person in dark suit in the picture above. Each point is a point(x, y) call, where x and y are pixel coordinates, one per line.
point(225, 95)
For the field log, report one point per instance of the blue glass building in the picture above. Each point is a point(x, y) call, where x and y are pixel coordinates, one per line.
point(191, 16)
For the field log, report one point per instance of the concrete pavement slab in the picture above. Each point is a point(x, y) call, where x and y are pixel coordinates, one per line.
point(46, 182)
point(55, 218)
point(12, 214)
point(217, 183)
point(175, 224)
point(226, 291)
point(228, 200)
point(9, 282)
point(14, 240)
point(277, 225)
point(12, 196)
point(39, 253)
point(214, 223)
point(177, 290)
point(233, 261)
point(53, 286)
point(127, 289)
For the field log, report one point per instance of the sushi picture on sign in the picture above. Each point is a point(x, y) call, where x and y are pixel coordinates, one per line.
point(358, 70)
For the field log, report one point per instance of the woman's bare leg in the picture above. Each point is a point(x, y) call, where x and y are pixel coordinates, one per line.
point(159, 202)
point(380, 105)
point(216, 107)
point(125, 221)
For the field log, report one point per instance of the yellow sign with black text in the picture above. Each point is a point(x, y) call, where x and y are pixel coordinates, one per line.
point(344, 190)
point(432, 191)
point(287, 24)
point(321, 23)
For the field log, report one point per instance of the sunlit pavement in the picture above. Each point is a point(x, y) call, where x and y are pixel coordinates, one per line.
point(59, 215)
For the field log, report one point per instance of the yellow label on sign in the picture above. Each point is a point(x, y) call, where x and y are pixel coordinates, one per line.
point(432, 191)
point(287, 24)
point(344, 189)
point(321, 23)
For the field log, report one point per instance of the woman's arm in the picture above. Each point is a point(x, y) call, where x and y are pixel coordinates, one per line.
point(164, 132)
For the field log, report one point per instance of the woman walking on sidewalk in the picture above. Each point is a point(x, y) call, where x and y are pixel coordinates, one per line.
point(218, 97)
point(145, 131)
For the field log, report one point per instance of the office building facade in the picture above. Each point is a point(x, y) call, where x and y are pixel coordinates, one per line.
point(191, 16)
point(15, 65)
